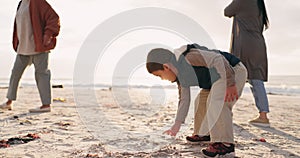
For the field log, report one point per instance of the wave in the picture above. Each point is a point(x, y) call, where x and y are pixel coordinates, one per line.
point(279, 90)
point(272, 88)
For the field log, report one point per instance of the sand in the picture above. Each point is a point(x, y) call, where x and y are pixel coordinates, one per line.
point(107, 123)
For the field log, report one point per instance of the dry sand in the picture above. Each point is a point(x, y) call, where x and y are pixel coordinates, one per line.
point(116, 127)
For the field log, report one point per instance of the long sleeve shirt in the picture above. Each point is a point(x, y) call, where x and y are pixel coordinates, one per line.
point(206, 58)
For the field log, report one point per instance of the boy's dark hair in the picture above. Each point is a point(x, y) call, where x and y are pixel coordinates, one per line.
point(157, 57)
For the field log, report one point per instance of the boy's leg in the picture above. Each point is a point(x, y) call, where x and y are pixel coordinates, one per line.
point(199, 115)
point(20, 65)
point(200, 110)
point(222, 130)
point(42, 77)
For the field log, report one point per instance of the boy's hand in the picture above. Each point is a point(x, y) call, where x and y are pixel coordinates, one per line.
point(174, 129)
point(231, 94)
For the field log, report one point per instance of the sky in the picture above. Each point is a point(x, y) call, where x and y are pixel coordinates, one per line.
point(80, 17)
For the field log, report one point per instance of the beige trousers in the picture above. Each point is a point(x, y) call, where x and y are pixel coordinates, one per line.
point(200, 109)
point(213, 116)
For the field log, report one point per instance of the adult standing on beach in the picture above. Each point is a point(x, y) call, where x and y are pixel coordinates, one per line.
point(248, 43)
point(35, 29)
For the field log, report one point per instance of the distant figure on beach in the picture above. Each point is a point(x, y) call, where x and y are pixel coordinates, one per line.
point(221, 72)
point(35, 29)
point(248, 44)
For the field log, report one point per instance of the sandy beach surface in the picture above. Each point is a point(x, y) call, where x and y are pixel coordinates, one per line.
point(108, 124)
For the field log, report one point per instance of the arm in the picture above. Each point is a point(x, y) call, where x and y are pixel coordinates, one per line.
point(226, 72)
point(15, 41)
point(211, 59)
point(232, 9)
point(183, 103)
point(182, 111)
point(52, 23)
point(231, 90)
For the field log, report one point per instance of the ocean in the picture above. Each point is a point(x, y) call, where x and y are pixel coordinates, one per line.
point(277, 85)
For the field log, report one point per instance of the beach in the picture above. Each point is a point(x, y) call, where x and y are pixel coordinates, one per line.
point(112, 126)
point(105, 102)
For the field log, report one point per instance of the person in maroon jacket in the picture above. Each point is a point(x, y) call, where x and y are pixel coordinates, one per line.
point(36, 27)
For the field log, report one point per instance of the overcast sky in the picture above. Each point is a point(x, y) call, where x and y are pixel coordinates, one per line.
point(80, 17)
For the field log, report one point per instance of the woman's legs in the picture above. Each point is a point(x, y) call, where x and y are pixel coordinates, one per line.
point(260, 96)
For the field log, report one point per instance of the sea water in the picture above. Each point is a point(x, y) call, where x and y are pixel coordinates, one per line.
point(276, 85)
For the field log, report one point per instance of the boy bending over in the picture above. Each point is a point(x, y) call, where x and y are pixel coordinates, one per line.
point(221, 72)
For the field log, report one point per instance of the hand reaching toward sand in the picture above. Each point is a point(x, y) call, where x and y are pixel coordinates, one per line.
point(174, 129)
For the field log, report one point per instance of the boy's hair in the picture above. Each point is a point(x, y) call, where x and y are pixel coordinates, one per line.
point(157, 57)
